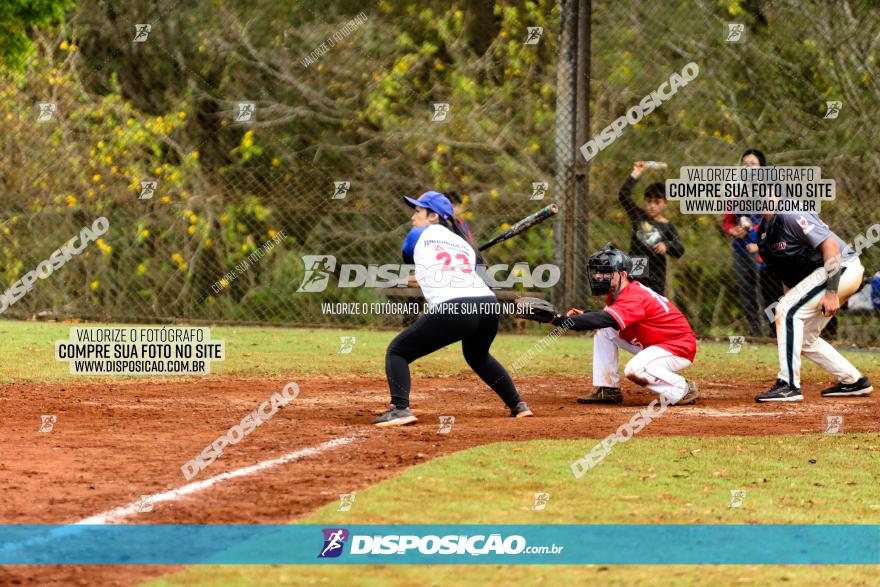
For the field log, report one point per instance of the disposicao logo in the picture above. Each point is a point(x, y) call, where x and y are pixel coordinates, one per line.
point(334, 540)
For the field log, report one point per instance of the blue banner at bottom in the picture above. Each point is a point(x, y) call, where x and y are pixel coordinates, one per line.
point(297, 544)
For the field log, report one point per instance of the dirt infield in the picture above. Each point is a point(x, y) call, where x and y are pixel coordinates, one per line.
point(115, 442)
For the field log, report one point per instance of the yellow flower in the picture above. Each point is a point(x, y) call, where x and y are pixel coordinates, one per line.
point(505, 226)
point(166, 199)
point(248, 140)
point(276, 162)
point(145, 233)
point(187, 212)
point(195, 154)
point(272, 234)
point(494, 194)
point(94, 285)
point(71, 201)
point(5, 230)
point(72, 47)
point(224, 219)
point(96, 178)
point(141, 269)
point(244, 247)
point(208, 243)
point(210, 299)
point(191, 229)
point(441, 149)
point(100, 144)
point(181, 115)
point(193, 218)
point(129, 122)
point(717, 134)
point(158, 171)
point(90, 193)
point(105, 248)
point(114, 169)
point(63, 46)
point(728, 138)
point(177, 258)
point(224, 283)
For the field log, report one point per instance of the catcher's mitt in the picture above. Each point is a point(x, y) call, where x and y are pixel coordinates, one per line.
point(535, 309)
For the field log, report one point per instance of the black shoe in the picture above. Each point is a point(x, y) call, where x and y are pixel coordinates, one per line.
point(860, 387)
point(603, 395)
point(395, 416)
point(521, 411)
point(781, 392)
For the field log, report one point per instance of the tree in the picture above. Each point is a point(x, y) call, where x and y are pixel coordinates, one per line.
point(16, 19)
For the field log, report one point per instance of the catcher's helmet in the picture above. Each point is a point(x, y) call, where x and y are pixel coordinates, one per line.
point(602, 265)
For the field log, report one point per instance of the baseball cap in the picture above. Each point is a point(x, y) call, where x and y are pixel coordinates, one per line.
point(433, 201)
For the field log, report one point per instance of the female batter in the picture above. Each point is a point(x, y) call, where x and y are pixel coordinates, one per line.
point(461, 308)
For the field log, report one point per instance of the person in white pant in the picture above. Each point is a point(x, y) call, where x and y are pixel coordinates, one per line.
point(819, 273)
point(654, 367)
point(641, 321)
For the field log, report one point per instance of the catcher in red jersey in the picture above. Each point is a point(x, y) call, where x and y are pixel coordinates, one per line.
point(641, 321)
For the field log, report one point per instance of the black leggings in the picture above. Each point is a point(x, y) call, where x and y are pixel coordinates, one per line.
point(458, 320)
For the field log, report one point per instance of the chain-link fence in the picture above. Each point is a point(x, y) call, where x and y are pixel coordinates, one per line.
point(222, 151)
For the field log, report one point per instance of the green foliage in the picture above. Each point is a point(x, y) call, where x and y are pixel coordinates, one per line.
point(16, 19)
point(360, 112)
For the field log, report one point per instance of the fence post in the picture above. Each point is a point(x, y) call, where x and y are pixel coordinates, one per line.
point(563, 246)
point(572, 130)
point(581, 166)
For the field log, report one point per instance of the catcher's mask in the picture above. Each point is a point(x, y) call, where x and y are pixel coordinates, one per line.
point(602, 266)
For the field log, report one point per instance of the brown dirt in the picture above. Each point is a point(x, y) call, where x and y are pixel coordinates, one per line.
point(114, 442)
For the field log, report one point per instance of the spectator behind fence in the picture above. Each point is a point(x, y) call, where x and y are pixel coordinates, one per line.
point(757, 288)
point(653, 236)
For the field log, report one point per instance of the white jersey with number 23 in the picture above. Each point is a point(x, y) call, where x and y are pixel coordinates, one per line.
point(445, 264)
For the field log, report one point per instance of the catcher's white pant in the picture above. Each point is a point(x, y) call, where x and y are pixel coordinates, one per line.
point(799, 321)
point(654, 366)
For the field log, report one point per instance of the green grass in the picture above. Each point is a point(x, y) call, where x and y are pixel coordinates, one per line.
point(27, 352)
point(647, 480)
point(524, 575)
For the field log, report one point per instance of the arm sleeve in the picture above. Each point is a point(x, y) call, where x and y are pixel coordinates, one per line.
point(626, 200)
point(674, 245)
point(409, 244)
point(587, 321)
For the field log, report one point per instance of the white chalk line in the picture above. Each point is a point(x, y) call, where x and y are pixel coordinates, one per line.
point(720, 414)
point(125, 511)
point(119, 513)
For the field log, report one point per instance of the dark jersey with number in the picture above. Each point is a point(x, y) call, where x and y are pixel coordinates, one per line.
point(789, 245)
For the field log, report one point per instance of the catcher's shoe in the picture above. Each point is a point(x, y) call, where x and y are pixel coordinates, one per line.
point(603, 395)
point(691, 396)
point(781, 392)
point(521, 410)
point(859, 388)
point(395, 416)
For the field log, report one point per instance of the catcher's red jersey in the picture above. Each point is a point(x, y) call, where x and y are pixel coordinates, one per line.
point(648, 319)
